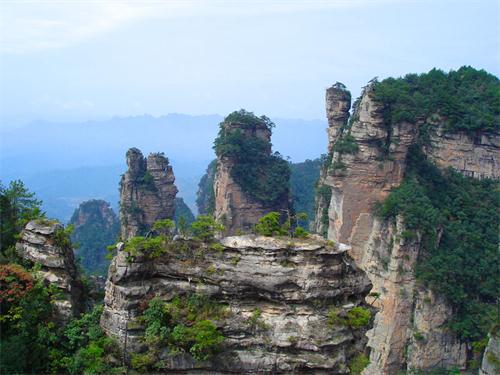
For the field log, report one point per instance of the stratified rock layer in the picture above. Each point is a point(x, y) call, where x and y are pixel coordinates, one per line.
point(366, 177)
point(147, 193)
point(294, 284)
point(233, 207)
point(38, 245)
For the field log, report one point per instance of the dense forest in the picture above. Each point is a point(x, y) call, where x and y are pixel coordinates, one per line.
point(95, 227)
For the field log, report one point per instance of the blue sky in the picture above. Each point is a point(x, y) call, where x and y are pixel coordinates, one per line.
point(83, 60)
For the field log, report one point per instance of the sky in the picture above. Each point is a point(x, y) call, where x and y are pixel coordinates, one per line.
point(63, 60)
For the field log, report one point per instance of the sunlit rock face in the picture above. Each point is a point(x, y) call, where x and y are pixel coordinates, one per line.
point(39, 245)
point(345, 214)
point(292, 283)
point(147, 193)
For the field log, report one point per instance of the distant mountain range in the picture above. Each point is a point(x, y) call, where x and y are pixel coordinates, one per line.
point(67, 163)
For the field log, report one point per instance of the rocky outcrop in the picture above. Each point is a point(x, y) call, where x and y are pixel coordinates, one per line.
point(147, 193)
point(42, 242)
point(491, 358)
point(95, 227)
point(237, 210)
point(352, 183)
point(294, 284)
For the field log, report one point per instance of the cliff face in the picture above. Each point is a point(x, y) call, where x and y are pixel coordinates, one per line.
point(353, 182)
point(39, 244)
point(293, 286)
point(236, 209)
point(491, 359)
point(147, 193)
point(95, 227)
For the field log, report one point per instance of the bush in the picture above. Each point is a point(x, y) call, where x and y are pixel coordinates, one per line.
point(358, 317)
point(358, 364)
point(205, 228)
point(269, 225)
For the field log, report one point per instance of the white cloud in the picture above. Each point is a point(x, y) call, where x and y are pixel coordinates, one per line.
point(31, 25)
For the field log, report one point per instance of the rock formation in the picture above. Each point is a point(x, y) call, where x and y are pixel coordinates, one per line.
point(350, 185)
point(95, 227)
point(147, 193)
point(491, 358)
point(41, 243)
point(293, 284)
point(235, 208)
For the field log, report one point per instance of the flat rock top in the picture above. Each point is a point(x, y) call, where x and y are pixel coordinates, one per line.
point(313, 242)
point(43, 226)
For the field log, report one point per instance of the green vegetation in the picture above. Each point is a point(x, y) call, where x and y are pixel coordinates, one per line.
point(205, 228)
point(346, 144)
point(31, 342)
point(463, 264)
point(358, 363)
point(303, 178)
point(261, 175)
point(183, 214)
point(271, 225)
point(160, 240)
point(205, 199)
point(324, 193)
point(99, 229)
point(17, 206)
point(355, 318)
point(183, 325)
point(466, 99)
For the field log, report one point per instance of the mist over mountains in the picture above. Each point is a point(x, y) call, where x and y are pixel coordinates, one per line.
point(67, 163)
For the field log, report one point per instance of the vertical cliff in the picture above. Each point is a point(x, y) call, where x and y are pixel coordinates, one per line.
point(249, 181)
point(147, 193)
point(44, 242)
point(367, 159)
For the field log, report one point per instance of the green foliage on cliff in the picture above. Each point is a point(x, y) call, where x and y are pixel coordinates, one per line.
point(99, 229)
point(17, 206)
point(249, 119)
point(182, 213)
point(205, 197)
point(262, 176)
point(466, 99)
point(183, 325)
point(302, 187)
point(458, 219)
point(205, 228)
point(271, 224)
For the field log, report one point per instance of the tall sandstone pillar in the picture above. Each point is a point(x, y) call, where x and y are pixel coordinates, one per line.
point(234, 207)
point(147, 193)
point(350, 184)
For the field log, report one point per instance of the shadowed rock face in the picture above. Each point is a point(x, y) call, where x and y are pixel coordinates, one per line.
point(233, 207)
point(147, 193)
point(38, 245)
point(367, 176)
point(294, 285)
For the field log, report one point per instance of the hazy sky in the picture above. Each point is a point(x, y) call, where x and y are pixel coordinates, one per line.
point(78, 60)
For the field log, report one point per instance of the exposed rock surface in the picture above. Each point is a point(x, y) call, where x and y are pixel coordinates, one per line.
point(491, 359)
point(147, 193)
point(233, 207)
point(293, 283)
point(367, 176)
point(38, 244)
